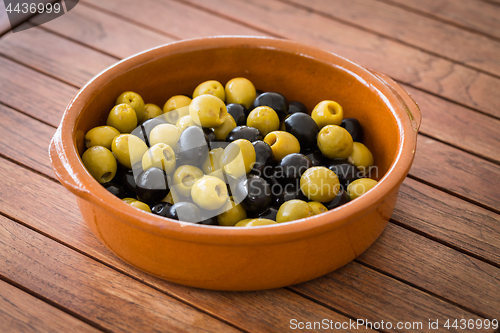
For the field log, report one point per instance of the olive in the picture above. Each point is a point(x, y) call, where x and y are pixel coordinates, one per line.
point(296, 106)
point(211, 87)
point(361, 157)
point(282, 143)
point(151, 111)
point(293, 210)
point(148, 125)
point(254, 194)
point(319, 184)
point(360, 186)
point(123, 118)
point(238, 158)
point(184, 178)
point(160, 156)
point(125, 177)
point(335, 142)
point(327, 113)
point(291, 167)
point(282, 193)
point(223, 130)
point(100, 163)
point(258, 222)
point(209, 221)
point(173, 116)
point(162, 209)
point(193, 146)
point(242, 223)
point(185, 212)
point(341, 198)
point(275, 101)
point(164, 133)
point(135, 101)
point(176, 102)
point(264, 119)
point(128, 149)
point(239, 113)
point(209, 192)
point(317, 158)
point(211, 164)
point(258, 92)
point(184, 122)
point(304, 128)
point(263, 158)
point(115, 189)
point(317, 207)
point(269, 214)
point(207, 111)
point(354, 128)
point(151, 185)
point(231, 214)
point(244, 132)
point(137, 204)
point(101, 136)
point(345, 171)
point(241, 91)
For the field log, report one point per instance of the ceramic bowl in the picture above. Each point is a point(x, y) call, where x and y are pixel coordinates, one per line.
point(254, 258)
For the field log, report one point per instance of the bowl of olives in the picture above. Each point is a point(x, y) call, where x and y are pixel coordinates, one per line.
point(236, 163)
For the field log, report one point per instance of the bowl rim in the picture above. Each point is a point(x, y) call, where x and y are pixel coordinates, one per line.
point(72, 173)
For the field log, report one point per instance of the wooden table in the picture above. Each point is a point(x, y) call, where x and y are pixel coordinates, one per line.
point(438, 259)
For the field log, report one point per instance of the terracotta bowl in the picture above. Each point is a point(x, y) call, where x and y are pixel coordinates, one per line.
point(242, 258)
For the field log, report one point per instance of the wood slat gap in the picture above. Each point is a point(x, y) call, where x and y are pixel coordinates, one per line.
point(22, 165)
point(26, 114)
point(492, 2)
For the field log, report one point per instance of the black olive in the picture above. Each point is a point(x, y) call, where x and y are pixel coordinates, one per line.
point(258, 92)
point(239, 113)
point(286, 192)
point(210, 221)
point(149, 124)
point(291, 167)
point(115, 189)
point(275, 101)
point(354, 128)
point(345, 171)
point(269, 213)
point(244, 132)
point(125, 177)
point(341, 198)
point(151, 185)
point(317, 158)
point(210, 135)
point(193, 146)
point(296, 106)
point(185, 212)
point(304, 128)
point(162, 209)
point(263, 158)
point(254, 194)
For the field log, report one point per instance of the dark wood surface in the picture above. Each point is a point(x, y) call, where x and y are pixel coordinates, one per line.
point(438, 259)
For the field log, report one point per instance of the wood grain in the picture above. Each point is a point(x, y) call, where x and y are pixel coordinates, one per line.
point(21, 312)
point(93, 290)
point(478, 15)
point(47, 97)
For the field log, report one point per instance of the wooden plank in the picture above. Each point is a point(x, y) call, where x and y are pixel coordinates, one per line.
point(404, 63)
point(92, 290)
point(477, 15)
point(21, 312)
point(449, 219)
point(265, 311)
point(25, 140)
point(437, 268)
point(407, 27)
point(47, 97)
point(4, 20)
point(66, 60)
point(97, 34)
point(356, 290)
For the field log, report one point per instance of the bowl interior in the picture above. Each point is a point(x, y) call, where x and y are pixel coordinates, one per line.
point(297, 77)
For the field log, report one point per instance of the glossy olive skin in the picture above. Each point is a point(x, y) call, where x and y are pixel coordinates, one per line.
point(256, 192)
point(135, 101)
point(264, 119)
point(211, 137)
point(275, 101)
point(341, 198)
point(128, 149)
point(327, 113)
point(361, 157)
point(123, 118)
point(231, 214)
point(162, 209)
point(286, 192)
point(125, 177)
point(244, 132)
point(317, 158)
point(239, 113)
point(185, 212)
point(263, 158)
point(184, 178)
point(269, 214)
point(211, 87)
point(164, 133)
point(161, 156)
point(101, 136)
point(209, 192)
point(296, 106)
point(223, 130)
point(360, 186)
point(151, 111)
point(151, 185)
point(193, 146)
point(345, 171)
point(291, 168)
point(207, 110)
point(317, 207)
point(282, 143)
point(335, 142)
point(137, 204)
point(209, 221)
point(319, 184)
point(304, 128)
point(176, 102)
point(238, 158)
point(115, 189)
point(354, 128)
point(293, 210)
point(240, 90)
point(148, 125)
point(100, 163)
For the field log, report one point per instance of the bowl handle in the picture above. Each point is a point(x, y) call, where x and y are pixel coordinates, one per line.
point(404, 98)
point(62, 168)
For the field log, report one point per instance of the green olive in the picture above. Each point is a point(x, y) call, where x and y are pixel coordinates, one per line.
point(232, 214)
point(160, 156)
point(360, 186)
point(209, 192)
point(361, 157)
point(137, 204)
point(319, 184)
point(223, 130)
point(173, 197)
point(240, 91)
point(165, 133)
point(128, 149)
point(135, 101)
point(238, 158)
point(335, 142)
point(101, 136)
point(293, 210)
point(184, 122)
point(317, 207)
point(327, 113)
point(151, 111)
point(174, 115)
point(211, 165)
point(211, 87)
point(207, 111)
point(282, 144)
point(264, 119)
point(242, 223)
point(100, 163)
point(176, 102)
point(123, 118)
point(184, 178)
point(259, 222)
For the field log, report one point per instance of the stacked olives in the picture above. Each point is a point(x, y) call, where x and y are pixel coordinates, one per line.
point(229, 156)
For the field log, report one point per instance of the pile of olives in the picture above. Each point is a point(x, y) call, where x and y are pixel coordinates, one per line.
point(229, 156)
